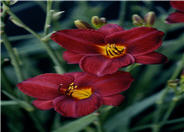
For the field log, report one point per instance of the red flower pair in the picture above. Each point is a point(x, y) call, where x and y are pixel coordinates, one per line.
point(100, 52)
point(104, 51)
point(76, 94)
point(178, 16)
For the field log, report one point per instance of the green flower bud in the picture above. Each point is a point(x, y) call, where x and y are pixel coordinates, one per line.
point(182, 81)
point(82, 25)
point(98, 22)
point(149, 18)
point(103, 20)
point(173, 83)
point(16, 22)
point(57, 15)
point(137, 20)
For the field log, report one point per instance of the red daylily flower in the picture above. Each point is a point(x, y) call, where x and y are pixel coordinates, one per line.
point(178, 16)
point(104, 51)
point(76, 94)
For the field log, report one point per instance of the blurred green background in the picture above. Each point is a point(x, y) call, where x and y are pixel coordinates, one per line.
point(141, 109)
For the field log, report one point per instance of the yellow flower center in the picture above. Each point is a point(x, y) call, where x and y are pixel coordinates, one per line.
point(77, 93)
point(113, 50)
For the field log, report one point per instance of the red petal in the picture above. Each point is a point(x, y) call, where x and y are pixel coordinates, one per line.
point(66, 106)
point(71, 57)
point(100, 65)
point(114, 100)
point(151, 58)
point(82, 79)
point(178, 5)
point(110, 28)
point(87, 106)
point(139, 40)
point(79, 40)
point(76, 108)
point(113, 84)
point(176, 17)
point(43, 104)
point(44, 86)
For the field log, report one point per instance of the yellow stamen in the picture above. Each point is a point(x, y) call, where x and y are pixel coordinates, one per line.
point(113, 50)
point(77, 93)
point(82, 93)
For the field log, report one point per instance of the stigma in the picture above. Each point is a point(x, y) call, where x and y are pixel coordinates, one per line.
point(113, 50)
point(76, 92)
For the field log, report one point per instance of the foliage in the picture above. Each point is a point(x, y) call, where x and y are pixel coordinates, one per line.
point(151, 103)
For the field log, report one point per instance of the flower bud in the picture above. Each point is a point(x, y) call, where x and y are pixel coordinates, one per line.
point(149, 18)
point(82, 25)
point(182, 81)
point(6, 60)
point(137, 20)
point(2, 28)
point(173, 83)
point(57, 15)
point(16, 22)
point(98, 22)
point(103, 20)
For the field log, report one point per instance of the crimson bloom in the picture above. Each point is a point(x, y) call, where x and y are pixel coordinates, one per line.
point(76, 94)
point(178, 16)
point(109, 48)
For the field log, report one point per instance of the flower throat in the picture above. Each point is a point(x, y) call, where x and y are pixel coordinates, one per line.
point(76, 92)
point(113, 50)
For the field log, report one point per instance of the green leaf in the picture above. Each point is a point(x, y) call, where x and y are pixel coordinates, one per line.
point(23, 104)
point(121, 120)
point(78, 124)
point(4, 103)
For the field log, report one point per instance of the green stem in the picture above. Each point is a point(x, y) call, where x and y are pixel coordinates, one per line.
point(20, 37)
point(5, 82)
point(21, 24)
point(171, 107)
point(98, 125)
point(29, 108)
point(174, 121)
point(12, 54)
point(141, 127)
point(177, 71)
point(151, 125)
point(131, 67)
point(7, 103)
point(55, 22)
point(180, 66)
point(122, 12)
point(43, 41)
point(23, 104)
point(48, 17)
point(36, 121)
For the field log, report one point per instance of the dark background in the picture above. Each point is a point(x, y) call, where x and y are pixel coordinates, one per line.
point(148, 79)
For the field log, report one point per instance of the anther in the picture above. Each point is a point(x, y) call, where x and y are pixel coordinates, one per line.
point(70, 89)
point(113, 50)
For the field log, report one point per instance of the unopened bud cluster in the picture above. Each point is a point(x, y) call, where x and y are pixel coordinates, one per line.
point(182, 81)
point(177, 84)
point(98, 22)
point(173, 83)
point(95, 21)
point(147, 21)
